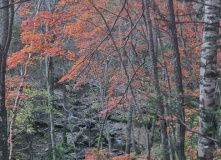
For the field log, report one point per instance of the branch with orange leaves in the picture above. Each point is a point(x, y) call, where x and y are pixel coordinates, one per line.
point(129, 80)
point(97, 47)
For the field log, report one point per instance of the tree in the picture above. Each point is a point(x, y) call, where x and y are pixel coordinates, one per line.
point(6, 33)
point(208, 80)
point(178, 81)
point(153, 57)
point(17, 102)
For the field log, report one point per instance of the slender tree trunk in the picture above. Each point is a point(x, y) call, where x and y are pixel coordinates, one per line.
point(64, 136)
point(163, 126)
point(102, 97)
point(50, 89)
point(65, 109)
point(130, 108)
point(108, 136)
point(99, 145)
point(208, 79)
point(171, 137)
point(16, 109)
point(178, 82)
point(129, 129)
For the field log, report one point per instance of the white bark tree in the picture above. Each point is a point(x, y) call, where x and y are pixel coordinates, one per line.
point(208, 79)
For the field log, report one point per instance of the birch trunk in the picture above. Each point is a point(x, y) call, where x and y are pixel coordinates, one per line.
point(208, 79)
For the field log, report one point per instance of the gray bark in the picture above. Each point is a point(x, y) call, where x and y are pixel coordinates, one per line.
point(50, 90)
point(178, 82)
point(102, 96)
point(208, 79)
point(129, 109)
point(171, 138)
point(101, 132)
point(163, 126)
point(129, 129)
point(65, 109)
point(64, 136)
point(108, 136)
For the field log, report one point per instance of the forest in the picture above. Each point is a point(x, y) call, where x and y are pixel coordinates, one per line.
point(110, 80)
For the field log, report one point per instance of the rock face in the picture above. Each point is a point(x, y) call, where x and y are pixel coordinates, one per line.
point(83, 127)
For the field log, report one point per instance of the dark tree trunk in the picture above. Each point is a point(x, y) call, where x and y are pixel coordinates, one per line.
point(178, 81)
point(163, 126)
point(3, 112)
point(64, 136)
point(6, 33)
point(50, 90)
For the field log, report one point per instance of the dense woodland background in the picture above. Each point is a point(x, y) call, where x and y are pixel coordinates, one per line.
point(110, 79)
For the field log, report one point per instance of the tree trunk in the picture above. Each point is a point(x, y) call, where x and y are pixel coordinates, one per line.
point(108, 136)
point(130, 108)
point(170, 134)
point(6, 33)
point(65, 109)
point(102, 125)
point(102, 98)
point(50, 89)
point(64, 136)
point(208, 79)
point(163, 126)
point(178, 82)
point(12, 134)
point(3, 112)
point(129, 129)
